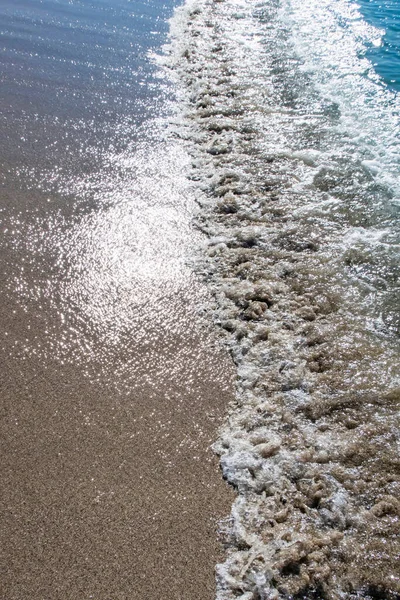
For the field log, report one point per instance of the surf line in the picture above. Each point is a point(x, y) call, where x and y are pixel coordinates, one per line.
point(309, 444)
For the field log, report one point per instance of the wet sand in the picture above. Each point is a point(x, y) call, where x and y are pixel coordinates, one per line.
point(109, 488)
point(112, 385)
point(109, 495)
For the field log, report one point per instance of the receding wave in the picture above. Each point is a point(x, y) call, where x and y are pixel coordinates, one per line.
point(294, 164)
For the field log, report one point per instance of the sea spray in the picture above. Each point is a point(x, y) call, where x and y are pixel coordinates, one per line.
point(301, 258)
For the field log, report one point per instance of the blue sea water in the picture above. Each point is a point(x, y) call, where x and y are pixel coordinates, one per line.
point(385, 15)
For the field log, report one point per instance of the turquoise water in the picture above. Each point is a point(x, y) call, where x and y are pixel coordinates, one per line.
point(385, 14)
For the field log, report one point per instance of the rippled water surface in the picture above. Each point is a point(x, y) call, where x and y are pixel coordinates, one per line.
point(278, 131)
point(96, 223)
point(385, 15)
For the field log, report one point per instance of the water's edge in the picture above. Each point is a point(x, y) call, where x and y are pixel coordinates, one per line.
point(310, 444)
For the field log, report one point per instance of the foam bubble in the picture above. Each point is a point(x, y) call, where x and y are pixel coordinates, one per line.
point(302, 240)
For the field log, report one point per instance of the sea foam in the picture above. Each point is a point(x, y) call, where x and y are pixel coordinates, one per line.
point(301, 260)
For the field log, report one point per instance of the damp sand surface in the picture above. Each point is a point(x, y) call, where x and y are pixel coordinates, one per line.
point(112, 385)
point(109, 487)
point(107, 495)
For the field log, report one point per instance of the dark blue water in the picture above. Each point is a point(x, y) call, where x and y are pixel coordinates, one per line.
point(385, 14)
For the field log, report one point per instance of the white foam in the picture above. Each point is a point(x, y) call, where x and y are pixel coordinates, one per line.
point(277, 447)
point(331, 38)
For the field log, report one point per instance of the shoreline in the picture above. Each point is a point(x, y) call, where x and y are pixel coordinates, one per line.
point(310, 444)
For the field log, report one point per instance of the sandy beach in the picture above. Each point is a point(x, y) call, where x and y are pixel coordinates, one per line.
point(112, 386)
point(108, 495)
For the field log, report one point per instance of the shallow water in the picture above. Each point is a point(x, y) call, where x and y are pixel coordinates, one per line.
point(294, 145)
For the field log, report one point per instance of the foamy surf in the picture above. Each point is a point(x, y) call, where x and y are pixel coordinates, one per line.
point(302, 259)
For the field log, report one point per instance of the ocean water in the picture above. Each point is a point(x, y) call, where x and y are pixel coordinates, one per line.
point(276, 124)
point(85, 161)
point(290, 113)
point(385, 56)
point(84, 158)
point(76, 80)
